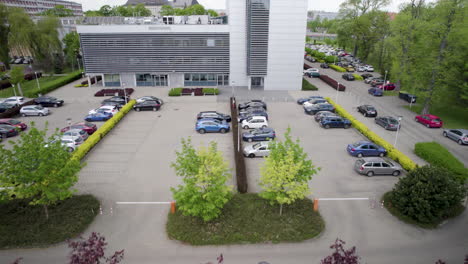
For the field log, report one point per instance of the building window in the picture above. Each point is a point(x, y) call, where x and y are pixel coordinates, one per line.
point(205, 79)
point(256, 82)
point(112, 79)
point(151, 79)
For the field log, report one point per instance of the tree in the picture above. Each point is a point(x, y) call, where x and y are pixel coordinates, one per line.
point(58, 11)
point(427, 194)
point(37, 168)
point(92, 250)
point(167, 10)
point(105, 10)
point(4, 32)
point(212, 13)
point(286, 172)
point(204, 172)
point(17, 77)
point(46, 45)
point(72, 47)
point(341, 255)
point(21, 31)
point(141, 10)
point(196, 10)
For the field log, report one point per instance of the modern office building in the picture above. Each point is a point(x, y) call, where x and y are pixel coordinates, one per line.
point(35, 7)
point(260, 45)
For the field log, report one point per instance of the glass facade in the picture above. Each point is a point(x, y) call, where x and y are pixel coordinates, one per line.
point(112, 79)
point(206, 79)
point(147, 79)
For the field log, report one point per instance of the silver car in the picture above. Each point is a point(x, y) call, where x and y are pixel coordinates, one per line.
point(377, 166)
point(458, 135)
point(77, 133)
point(37, 110)
point(260, 149)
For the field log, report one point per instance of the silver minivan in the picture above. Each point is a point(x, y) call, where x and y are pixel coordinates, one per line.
point(377, 166)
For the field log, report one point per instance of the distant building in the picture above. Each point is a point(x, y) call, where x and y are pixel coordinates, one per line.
point(155, 5)
point(36, 7)
point(321, 15)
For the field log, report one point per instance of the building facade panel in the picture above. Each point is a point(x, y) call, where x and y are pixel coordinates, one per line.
point(35, 7)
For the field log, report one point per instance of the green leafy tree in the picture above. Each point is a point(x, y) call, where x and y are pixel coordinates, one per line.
point(37, 168)
point(72, 47)
point(105, 10)
point(92, 13)
point(141, 10)
point(204, 172)
point(212, 13)
point(167, 10)
point(196, 10)
point(46, 45)
point(427, 194)
point(4, 32)
point(21, 31)
point(17, 77)
point(58, 11)
point(286, 172)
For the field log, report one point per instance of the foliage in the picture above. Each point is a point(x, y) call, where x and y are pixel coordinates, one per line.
point(427, 194)
point(72, 48)
point(214, 91)
point(21, 30)
point(204, 174)
point(358, 77)
point(24, 225)
point(212, 13)
point(341, 255)
point(37, 168)
point(439, 156)
point(286, 172)
point(323, 25)
point(307, 86)
point(337, 68)
point(175, 91)
point(247, 218)
point(4, 32)
point(91, 251)
point(331, 59)
point(126, 11)
point(17, 75)
point(58, 11)
point(167, 10)
point(332, 82)
point(46, 45)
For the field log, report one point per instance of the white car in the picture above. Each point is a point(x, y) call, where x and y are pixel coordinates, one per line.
point(361, 69)
point(311, 70)
point(260, 149)
point(254, 122)
point(67, 143)
point(112, 109)
point(37, 110)
point(77, 140)
point(310, 103)
point(369, 68)
point(77, 133)
point(14, 100)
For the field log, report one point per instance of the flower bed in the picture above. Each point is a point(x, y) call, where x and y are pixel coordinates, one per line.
point(112, 92)
point(332, 82)
point(194, 91)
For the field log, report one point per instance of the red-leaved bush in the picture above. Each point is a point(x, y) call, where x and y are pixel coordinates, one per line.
point(341, 255)
point(91, 251)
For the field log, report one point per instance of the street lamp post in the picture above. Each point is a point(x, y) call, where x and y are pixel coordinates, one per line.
point(398, 130)
point(125, 92)
point(14, 91)
point(37, 80)
point(232, 87)
point(384, 81)
point(69, 122)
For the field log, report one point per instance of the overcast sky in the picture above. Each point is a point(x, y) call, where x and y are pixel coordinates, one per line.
point(324, 5)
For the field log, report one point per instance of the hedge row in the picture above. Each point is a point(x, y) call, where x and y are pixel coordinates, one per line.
point(307, 86)
point(241, 172)
point(52, 85)
point(337, 68)
point(392, 152)
point(112, 92)
point(28, 77)
point(438, 156)
point(332, 82)
point(195, 91)
point(102, 131)
point(358, 77)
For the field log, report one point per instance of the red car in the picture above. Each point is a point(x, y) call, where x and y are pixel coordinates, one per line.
point(13, 122)
point(387, 87)
point(429, 120)
point(90, 128)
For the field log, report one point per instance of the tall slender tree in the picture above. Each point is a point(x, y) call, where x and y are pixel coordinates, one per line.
point(4, 32)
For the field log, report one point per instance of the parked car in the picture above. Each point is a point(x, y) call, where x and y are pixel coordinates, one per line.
point(76, 133)
point(350, 69)
point(324, 66)
point(365, 148)
point(150, 98)
point(377, 166)
point(312, 110)
point(119, 101)
point(111, 109)
point(147, 105)
point(375, 91)
point(376, 82)
point(13, 122)
point(260, 149)
point(370, 79)
point(37, 110)
point(335, 122)
point(77, 140)
point(14, 100)
point(8, 131)
point(312, 72)
point(388, 122)
point(67, 143)
point(254, 122)
point(348, 76)
point(361, 69)
point(90, 128)
point(252, 103)
point(387, 87)
point(314, 101)
point(5, 107)
point(113, 103)
point(322, 114)
point(429, 120)
point(305, 99)
point(211, 125)
point(48, 101)
point(99, 116)
point(259, 134)
point(367, 110)
point(214, 115)
point(365, 76)
point(252, 112)
point(369, 68)
point(458, 135)
point(410, 98)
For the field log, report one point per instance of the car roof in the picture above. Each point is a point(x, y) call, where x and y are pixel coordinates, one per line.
point(74, 130)
point(432, 116)
point(373, 159)
point(208, 119)
point(264, 129)
point(258, 117)
point(464, 131)
point(364, 142)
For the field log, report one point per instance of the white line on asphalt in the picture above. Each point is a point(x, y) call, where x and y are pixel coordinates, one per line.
point(143, 202)
point(342, 199)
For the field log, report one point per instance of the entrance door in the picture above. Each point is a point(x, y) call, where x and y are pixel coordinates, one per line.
point(159, 80)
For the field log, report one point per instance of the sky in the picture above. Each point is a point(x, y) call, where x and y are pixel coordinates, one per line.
point(322, 5)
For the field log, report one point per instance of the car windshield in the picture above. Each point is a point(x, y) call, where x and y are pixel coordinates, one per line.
point(370, 108)
point(256, 146)
point(436, 120)
point(360, 162)
point(392, 121)
point(14, 122)
point(88, 124)
point(357, 144)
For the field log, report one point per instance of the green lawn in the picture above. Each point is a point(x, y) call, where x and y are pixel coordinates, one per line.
point(28, 86)
point(248, 219)
point(23, 225)
point(390, 93)
point(453, 116)
point(307, 86)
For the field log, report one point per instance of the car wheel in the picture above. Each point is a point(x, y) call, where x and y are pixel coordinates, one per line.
point(70, 149)
point(359, 155)
point(264, 126)
point(396, 173)
point(381, 154)
point(370, 173)
point(55, 105)
point(154, 109)
point(201, 131)
point(23, 115)
point(251, 155)
point(347, 126)
point(460, 142)
point(445, 134)
point(249, 140)
point(246, 127)
point(327, 126)
point(428, 126)
point(222, 130)
point(41, 114)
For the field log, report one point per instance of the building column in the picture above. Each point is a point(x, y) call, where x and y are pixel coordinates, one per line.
point(249, 81)
point(89, 81)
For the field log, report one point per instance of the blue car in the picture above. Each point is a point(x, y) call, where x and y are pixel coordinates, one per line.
point(365, 148)
point(303, 100)
point(335, 121)
point(99, 116)
point(211, 125)
point(375, 91)
point(259, 134)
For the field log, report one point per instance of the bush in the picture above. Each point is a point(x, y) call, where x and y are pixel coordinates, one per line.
point(175, 92)
point(81, 85)
point(307, 86)
point(330, 59)
point(332, 82)
point(54, 84)
point(392, 152)
point(210, 91)
point(438, 156)
point(358, 77)
point(337, 68)
point(112, 92)
point(427, 195)
point(102, 131)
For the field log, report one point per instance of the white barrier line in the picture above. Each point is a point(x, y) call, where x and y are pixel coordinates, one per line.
point(342, 199)
point(143, 202)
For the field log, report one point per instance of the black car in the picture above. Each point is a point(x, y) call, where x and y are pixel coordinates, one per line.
point(253, 112)
point(48, 101)
point(118, 101)
point(4, 107)
point(367, 110)
point(150, 98)
point(348, 76)
point(312, 110)
point(253, 103)
point(8, 131)
point(366, 75)
point(410, 98)
point(214, 115)
point(388, 122)
point(305, 99)
point(324, 65)
point(147, 105)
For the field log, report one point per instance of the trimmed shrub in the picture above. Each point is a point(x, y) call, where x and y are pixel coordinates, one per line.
point(330, 59)
point(54, 84)
point(358, 77)
point(337, 68)
point(332, 82)
point(307, 86)
point(175, 92)
point(197, 91)
point(438, 156)
point(392, 152)
point(306, 66)
point(81, 85)
point(210, 91)
point(241, 172)
point(112, 92)
point(102, 131)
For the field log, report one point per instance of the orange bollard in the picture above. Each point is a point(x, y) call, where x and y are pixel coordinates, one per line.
point(173, 207)
point(316, 202)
